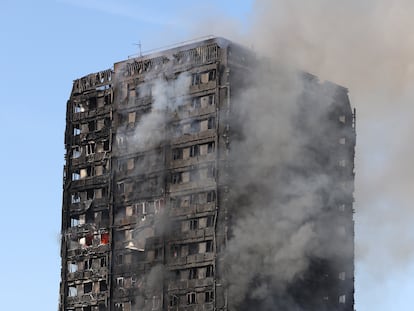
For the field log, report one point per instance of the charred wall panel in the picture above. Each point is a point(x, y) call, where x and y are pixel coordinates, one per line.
point(157, 152)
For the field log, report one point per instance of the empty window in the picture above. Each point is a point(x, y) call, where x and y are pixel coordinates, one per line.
point(191, 298)
point(103, 286)
point(195, 79)
point(87, 264)
point(121, 188)
point(143, 207)
point(91, 102)
point(209, 271)
point(72, 291)
point(210, 147)
point(78, 107)
point(90, 148)
point(177, 154)
point(209, 246)
point(194, 151)
point(205, 77)
point(175, 251)
point(342, 119)
point(211, 100)
point(76, 152)
point(211, 122)
point(74, 221)
point(176, 178)
point(156, 302)
point(212, 75)
point(72, 267)
point(210, 221)
point(194, 175)
point(120, 282)
point(87, 287)
point(106, 145)
point(99, 193)
point(122, 165)
point(192, 274)
point(158, 205)
point(209, 296)
point(85, 172)
point(342, 141)
point(131, 117)
point(211, 172)
point(175, 202)
point(120, 140)
point(211, 196)
point(75, 175)
point(100, 124)
point(107, 99)
point(123, 306)
point(342, 163)
point(130, 164)
point(342, 275)
point(90, 217)
point(173, 301)
point(194, 198)
point(89, 239)
point(92, 126)
point(193, 248)
point(130, 210)
point(90, 193)
point(177, 129)
point(75, 197)
point(342, 299)
point(195, 104)
point(76, 129)
point(195, 126)
point(193, 224)
point(207, 101)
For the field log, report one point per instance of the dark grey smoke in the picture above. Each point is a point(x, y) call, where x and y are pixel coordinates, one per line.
point(368, 47)
point(280, 189)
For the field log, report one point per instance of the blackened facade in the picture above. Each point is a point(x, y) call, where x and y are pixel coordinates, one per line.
point(148, 178)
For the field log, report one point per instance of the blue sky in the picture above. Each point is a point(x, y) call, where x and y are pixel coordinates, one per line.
point(45, 45)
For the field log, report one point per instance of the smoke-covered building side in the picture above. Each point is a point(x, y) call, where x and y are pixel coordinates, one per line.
point(202, 178)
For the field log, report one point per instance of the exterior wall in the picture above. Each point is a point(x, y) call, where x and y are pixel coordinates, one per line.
point(86, 213)
point(145, 216)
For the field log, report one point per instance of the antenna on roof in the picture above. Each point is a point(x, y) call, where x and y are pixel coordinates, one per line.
point(140, 47)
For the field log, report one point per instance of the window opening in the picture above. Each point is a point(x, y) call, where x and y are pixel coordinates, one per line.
point(209, 296)
point(191, 298)
point(193, 224)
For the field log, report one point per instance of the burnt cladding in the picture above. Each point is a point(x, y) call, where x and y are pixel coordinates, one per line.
point(202, 178)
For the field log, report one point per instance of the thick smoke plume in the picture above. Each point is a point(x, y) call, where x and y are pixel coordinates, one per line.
point(368, 47)
point(280, 189)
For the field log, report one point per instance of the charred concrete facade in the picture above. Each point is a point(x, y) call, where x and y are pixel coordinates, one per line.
point(148, 204)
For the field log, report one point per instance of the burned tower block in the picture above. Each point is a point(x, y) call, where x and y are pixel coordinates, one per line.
point(161, 176)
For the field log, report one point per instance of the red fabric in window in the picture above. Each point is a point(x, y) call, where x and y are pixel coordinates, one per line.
point(105, 238)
